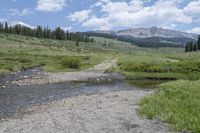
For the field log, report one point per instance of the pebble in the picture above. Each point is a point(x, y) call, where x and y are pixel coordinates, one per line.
point(3, 87)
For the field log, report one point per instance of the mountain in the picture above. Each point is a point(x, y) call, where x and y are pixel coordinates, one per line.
point(155, 32)
point(149, 37)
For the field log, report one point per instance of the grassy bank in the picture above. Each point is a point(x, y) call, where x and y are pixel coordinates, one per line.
point(161, 66)
point(176, 103)
point(21, 52)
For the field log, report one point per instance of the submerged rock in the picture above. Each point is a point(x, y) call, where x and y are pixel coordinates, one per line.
point(3, 87)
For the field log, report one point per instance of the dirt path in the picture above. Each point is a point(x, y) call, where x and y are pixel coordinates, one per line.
point(113, 112)
point(95, 73)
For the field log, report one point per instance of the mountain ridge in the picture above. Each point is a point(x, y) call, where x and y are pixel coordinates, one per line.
point(149, 32)
point(148, 37)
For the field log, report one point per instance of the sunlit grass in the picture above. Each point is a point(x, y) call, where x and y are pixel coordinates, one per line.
point(176, 103)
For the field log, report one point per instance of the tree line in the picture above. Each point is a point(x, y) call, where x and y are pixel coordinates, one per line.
point(44, 32)
point(192, 46)
point(151, 42)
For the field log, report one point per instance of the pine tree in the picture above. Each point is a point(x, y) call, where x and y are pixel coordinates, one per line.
point(191, 46)
point(195, 46)
point(1, 27)
point(198, 42)
point(60, 34)
point(44, 32)
point(6, 27)
point(77, 43)
point(187, 47)
point(39, 32)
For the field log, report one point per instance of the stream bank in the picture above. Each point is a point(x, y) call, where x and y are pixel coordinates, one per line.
point(97, 105)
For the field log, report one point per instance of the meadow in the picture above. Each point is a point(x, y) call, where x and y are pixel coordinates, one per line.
point(21, 52)
point(176, 102)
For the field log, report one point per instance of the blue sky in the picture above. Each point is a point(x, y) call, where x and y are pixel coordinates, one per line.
point(84, 15)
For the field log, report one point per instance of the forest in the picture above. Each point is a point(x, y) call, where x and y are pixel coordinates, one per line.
point(44, 32)
point(192, 46)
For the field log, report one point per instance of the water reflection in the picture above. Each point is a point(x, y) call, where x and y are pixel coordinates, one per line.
point(146, 84)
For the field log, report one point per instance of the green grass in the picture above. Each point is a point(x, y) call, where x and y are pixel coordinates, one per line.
point(72, 62)
point(160, 66)
point(176, 103)
point(20, 52)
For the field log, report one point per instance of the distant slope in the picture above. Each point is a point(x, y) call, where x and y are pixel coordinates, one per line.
point(155, 32)
point(148, 37)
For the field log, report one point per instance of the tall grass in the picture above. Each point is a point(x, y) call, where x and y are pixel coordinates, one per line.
point(176, 103)
point(71, 62)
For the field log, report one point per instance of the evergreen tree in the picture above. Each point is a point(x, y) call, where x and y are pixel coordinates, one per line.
point(39, 32)
point(6, 27)
point(187, 47)
point(195, 46)
point(44, 32)
point(191, 46)
point(77, 43)
point(1, 27)
point(198, 42)
point(60, 34)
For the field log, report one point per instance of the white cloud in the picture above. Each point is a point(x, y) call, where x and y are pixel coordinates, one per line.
point(110, 14)
point(16, 12)
point(98, 4)
point(66, 28)
point(193, 8)
point(21, 23)
point(97, 23)
point(133, 14)
point(50, 5)
point(195, 30)
point(111, 7)
point(80, 16)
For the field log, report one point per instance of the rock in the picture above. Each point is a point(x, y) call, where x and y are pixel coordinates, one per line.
point(7, 82)
point(18, 84)
point(3, 87)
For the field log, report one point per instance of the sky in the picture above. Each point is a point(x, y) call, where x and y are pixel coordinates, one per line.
point(87, 15)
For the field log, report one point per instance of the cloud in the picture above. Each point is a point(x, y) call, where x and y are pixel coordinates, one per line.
point(193, 8)
point(194, 30)
point(80, 16)
point(50, 5)
point(67, 28)
point(97, 23)
point(24, 12)
point(21, 23)
point(163, 13)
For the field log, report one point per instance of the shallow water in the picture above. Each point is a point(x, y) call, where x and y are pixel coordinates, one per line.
point(146, 83)
point(14, 98)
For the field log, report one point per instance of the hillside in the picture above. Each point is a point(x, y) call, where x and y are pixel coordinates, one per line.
point(149, 37)
point(19, 52)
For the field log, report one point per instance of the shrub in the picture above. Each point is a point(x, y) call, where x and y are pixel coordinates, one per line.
point(71, 62)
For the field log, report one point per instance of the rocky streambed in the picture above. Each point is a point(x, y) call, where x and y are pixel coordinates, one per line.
point(85, 101)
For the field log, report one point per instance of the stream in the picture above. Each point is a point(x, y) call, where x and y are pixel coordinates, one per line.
point(14, 98)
